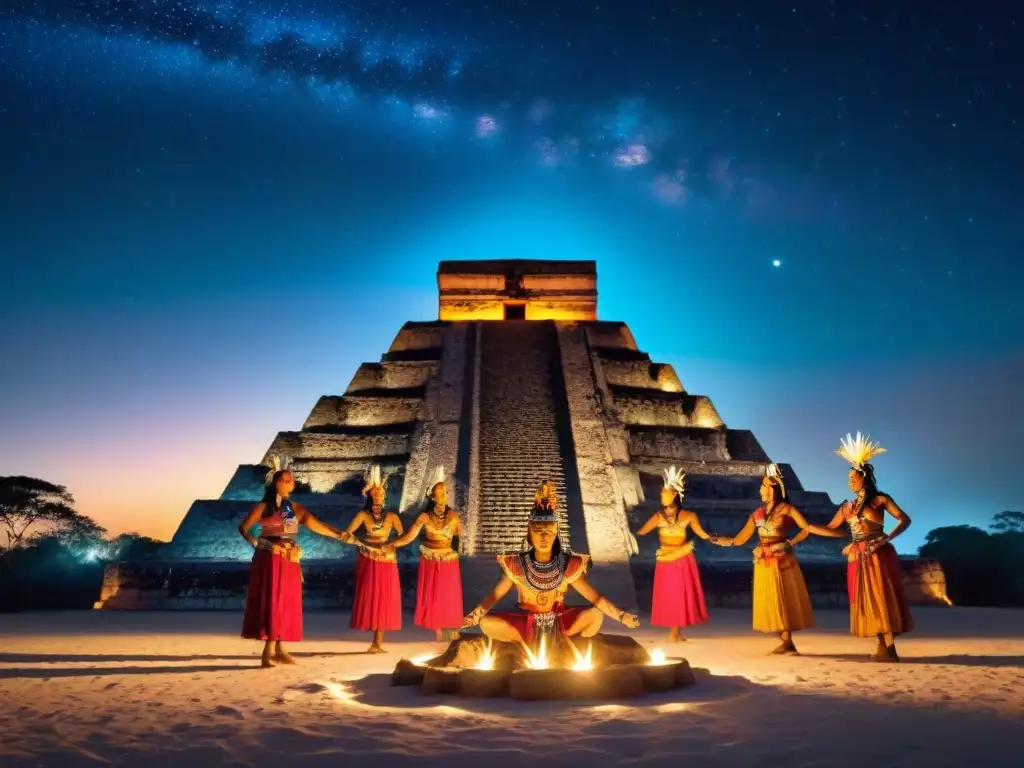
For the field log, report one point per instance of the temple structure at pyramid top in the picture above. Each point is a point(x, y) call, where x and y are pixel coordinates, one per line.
point(517, 289)
point(515, 383)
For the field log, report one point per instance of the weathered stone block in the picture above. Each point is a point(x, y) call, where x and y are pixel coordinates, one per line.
point(440, 680)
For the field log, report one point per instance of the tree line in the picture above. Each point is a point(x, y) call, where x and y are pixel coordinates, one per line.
point(52, 556)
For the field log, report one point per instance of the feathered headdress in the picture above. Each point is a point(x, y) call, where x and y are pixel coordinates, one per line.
point(373, 479)
point(545, 504)
point(277, 464)
point(676, 480)
point(773, 475)
point(438, 478)
point(858, 450)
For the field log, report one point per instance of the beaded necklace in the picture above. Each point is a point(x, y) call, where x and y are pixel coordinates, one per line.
point(543, 577)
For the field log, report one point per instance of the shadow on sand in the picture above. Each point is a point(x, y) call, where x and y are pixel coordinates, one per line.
point(377, 691)
point(38, 673)
point(120, 658)
point(960, 660)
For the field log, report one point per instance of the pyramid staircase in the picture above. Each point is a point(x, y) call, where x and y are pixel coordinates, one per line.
point(519, 435)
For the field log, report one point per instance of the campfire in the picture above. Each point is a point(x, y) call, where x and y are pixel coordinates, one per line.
point(598, 668)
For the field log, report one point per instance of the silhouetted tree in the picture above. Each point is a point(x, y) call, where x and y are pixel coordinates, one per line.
point(1008, 522)
point(38, 522)
point(133, 546)
point(30, 508)
point(981, 568)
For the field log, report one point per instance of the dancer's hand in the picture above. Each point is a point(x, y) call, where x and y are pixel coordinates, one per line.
point(472, 619)
point(722, 541)
point(630, 620)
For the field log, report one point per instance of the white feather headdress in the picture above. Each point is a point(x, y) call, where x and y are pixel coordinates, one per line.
point(374, 479)
point(858, 450)
point(676, 480)
point(276, 465)
point(774, 475)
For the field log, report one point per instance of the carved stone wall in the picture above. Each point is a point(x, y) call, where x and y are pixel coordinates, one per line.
point(679, 444)
point(436, 441)
point(419, 336)
point(364, 411)
point(603, 509)
point(399, 375)
point(326, 445)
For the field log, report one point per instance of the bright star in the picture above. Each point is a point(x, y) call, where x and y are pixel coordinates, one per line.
point(776, 263)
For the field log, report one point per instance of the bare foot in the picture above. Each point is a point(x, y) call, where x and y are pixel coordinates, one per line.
point(266, 661)
point(786, 649)
point(438, 636)
point(886, 654)
point(284, 657)
point(674, 636)
point(375, 649)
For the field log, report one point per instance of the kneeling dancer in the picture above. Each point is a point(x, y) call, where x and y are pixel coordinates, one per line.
point(542, 573)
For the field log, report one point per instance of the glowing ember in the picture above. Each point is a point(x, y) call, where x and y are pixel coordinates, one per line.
point(487, 660)
point(658, 656)
point(419, 661)
point(583, 660)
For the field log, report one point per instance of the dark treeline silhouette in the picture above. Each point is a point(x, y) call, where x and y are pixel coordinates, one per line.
point(51, 556)
point(982, 568)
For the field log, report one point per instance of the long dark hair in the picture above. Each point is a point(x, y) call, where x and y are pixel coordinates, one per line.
point(270, 494)
point(867, 471)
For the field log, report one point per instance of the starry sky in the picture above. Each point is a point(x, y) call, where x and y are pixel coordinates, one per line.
point(211, 212)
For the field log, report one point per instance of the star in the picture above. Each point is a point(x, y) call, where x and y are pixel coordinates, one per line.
point(776, 263)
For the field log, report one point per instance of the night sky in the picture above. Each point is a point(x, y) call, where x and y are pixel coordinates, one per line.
point(210, 213)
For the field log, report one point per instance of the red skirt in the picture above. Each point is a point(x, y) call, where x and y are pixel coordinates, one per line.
point(378, 601)
point(524, 622)
point(439, 594)
point(678, 599)
point(273, 604)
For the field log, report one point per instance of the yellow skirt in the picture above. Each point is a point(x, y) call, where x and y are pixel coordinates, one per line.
point(781, 601)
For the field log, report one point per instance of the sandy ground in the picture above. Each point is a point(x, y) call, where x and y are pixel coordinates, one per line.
point(167, 689)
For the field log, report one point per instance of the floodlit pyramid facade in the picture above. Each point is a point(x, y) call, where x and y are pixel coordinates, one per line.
point(516, 382)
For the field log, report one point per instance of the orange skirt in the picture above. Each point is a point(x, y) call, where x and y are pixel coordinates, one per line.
point(877, 602)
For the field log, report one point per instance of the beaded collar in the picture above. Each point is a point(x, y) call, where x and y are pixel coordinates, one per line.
point(544, 577)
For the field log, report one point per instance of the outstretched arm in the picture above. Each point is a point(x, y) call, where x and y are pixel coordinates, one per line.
point(806, 529)
point(348, 535)
point(603, 604)
point(649, 526)
point(490, 600)
point(837, 519)
point(740, 538)
point(250, 520)
point(902, 518)
point(697, 528)
point(411, 534)
point(309, 520)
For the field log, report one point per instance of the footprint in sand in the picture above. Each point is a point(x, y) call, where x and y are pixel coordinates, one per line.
point(229, 712)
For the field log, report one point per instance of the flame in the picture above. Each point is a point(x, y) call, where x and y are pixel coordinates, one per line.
point(487, 660)
point(657, 657)
point(540, 660)
point(583, 660)
point(419, 661)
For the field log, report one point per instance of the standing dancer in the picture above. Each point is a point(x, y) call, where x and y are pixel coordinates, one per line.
point(273, 603)
point(782, 604)
point(874, 579)
point(678, 599)
point(439, 580)
point(377, 606)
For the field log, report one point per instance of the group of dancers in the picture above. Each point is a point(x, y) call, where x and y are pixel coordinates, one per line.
point(543, 570)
